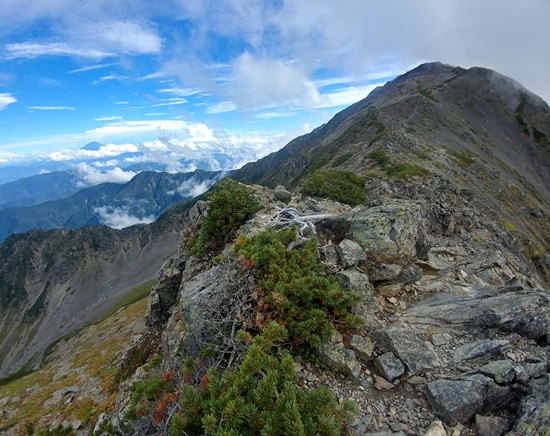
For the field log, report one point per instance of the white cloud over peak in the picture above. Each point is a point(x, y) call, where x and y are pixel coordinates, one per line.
point(91, 176)
point(119, 217)
point(5, 100)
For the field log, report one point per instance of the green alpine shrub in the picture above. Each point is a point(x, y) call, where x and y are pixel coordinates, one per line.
point(230, 204)
point(343, 186)
point(290, 290)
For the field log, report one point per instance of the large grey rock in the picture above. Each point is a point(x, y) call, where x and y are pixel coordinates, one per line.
point(350, 253)
point(417, 355)
point(357, 281)
point(534, 411)
point(281, 194)
point(197, 297)
point(456, 400)
point(164, 293)
point(503, 372)
point(389, 233)
point(389, 366)
point(383, 272)
point(363, 347)
point(508, 308)
point(410, 274)
point(483, 348)
point(339, 358)
point(490, 425)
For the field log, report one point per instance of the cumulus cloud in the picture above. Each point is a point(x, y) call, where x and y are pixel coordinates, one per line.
point(194, 131)
point(119, 217)
point(109, 150)
point(5, 100)
point(91, 176)
point(191, 188)
point(260, 81)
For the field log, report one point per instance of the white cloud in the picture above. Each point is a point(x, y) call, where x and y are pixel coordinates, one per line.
point(347, 96)
point(109, 150)
point(259, 82)
point(182, 92)
point(191, 188)
point(119, 217)
point(121, 102)
point(170, 102)
point(91, 176)
point(89, 68)
point(194, 131)
point(125, 36)
point(52, 108)
point(111, 76)
point(31, 50)
point(113, 118)
point(224, 106)
point(5, 100)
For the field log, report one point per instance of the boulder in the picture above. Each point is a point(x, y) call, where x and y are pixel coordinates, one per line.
point(483, 348)
point(281, 194)
point(509, 308)
point(357, 281)
point(490, 425)
point(417, 355)
point(164, 293)
point(351, 253)
point(383, 272)
point(389, 366)
point(339, 358)
point(388, 233)
point(363, 347)
point(534, 411)
point(410, 274)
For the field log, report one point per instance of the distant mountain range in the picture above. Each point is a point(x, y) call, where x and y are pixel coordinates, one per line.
point(140, 200)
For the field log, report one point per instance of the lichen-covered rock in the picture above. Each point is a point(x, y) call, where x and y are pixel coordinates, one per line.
point(363, 347)
point(388, 233)
point(389, 366)
point(417, 355)
point(350, 253)
point(410, 274)
point(508, 308)
point(339, 358)
point(383, 272)
point(281, 194)
point(357, 281)
point(534, 411)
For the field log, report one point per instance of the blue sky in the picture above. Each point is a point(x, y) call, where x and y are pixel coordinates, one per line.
point(188, 78)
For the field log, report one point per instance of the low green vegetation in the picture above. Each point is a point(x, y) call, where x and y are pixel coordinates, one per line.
point(464, 158)
point(230, 204)
point(343, 186)
point(341, 159)
point(404, 170)
point(295, 295)
point(428, 93)
point(397, 171)
point(260, 397)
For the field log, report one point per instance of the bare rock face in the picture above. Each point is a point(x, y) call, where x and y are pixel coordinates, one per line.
point(164, 293)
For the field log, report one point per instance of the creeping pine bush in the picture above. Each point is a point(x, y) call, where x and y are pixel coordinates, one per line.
point(260, 397)
point(291, 292)
point(230, 204)
point(343, 186)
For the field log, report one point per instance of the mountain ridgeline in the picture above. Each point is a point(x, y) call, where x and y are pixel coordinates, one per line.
point(448, 244)
point(144, 197)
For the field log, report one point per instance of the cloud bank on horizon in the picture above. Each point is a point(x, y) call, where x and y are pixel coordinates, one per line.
point(200, 79)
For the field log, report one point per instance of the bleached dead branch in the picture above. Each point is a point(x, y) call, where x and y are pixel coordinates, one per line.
point(289, 216)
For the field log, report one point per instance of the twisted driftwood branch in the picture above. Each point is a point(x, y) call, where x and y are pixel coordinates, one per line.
point(289, 216)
